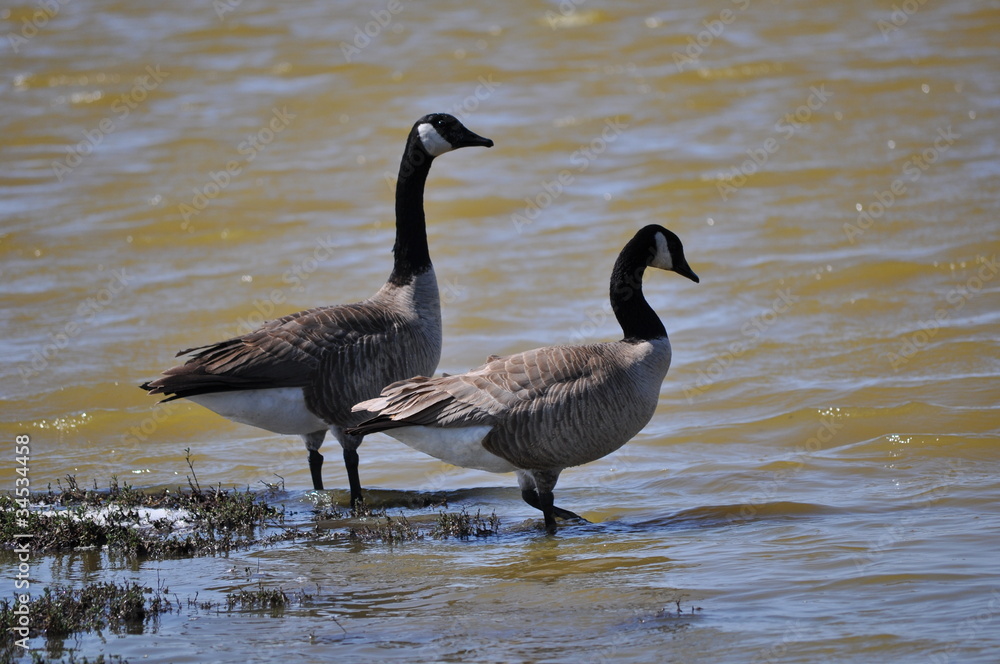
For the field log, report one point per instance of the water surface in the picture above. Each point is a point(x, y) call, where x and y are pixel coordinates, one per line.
point(820, 479)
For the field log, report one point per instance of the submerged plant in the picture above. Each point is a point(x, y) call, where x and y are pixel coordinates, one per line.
point(393, 531)
point(272, 599)
point(60, 612)
point(460, 525)
point(463, 525)
point(127, 520)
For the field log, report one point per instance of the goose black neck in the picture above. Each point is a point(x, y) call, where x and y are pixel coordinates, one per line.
point(638, 320)
point(411, 254)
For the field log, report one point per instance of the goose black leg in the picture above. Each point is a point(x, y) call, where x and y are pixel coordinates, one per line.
point(351, 464)
point(316, 469)
point(530, 496)
point(548, 509)
point(536, 490)
point(313, 442)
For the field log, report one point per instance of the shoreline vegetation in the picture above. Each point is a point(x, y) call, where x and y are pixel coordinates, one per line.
point(132, 526)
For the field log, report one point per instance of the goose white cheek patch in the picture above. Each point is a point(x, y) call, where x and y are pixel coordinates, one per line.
point(434, 143)
point(662, 259)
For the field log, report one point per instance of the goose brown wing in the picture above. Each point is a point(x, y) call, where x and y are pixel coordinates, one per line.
point(530, 381)
point(284, 352)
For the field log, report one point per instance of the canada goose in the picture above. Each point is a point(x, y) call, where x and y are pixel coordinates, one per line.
point(301, 374)
point(538, 412)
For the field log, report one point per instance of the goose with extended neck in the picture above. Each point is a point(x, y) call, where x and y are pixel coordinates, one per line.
point(301, 374)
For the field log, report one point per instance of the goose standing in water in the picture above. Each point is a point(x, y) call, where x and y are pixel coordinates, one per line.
point(538, 412)
point(302, 373)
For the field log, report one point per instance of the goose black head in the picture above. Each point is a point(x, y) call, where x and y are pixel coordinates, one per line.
point(667, 252)
point(439, 133)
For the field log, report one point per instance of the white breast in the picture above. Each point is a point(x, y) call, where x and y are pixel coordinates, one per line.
point(280, 409)
point(459, 446)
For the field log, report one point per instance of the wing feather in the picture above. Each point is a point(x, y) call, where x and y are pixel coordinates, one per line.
point(285, 352)
point(485, 395)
